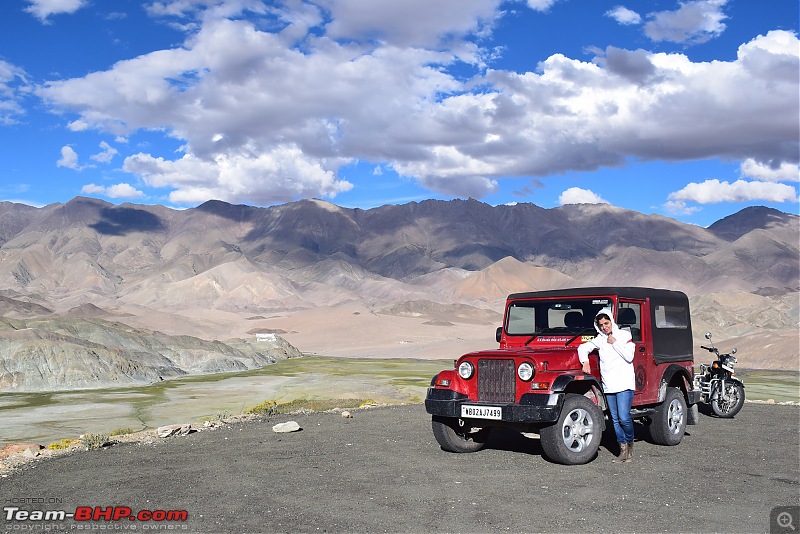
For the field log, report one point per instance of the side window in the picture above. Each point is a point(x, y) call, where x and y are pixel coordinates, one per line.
point(629, 317)
point(555, 318)
point(671, 316)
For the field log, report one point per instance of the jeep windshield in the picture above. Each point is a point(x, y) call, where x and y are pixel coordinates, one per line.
point(562, 316)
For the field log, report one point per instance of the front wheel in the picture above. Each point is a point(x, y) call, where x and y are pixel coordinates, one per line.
point(730, 401)
point(575, 437)
point(669, 422)
point(454, 438)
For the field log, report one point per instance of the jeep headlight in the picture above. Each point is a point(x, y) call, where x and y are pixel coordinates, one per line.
point(465, 370)
point(525, 371)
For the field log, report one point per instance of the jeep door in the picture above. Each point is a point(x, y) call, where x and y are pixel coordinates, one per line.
point(629, 317)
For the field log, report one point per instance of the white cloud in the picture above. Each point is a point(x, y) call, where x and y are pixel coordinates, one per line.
point(69, 158)
point(694, 22)
point(782, 172)
point(42, 9)
point(541, 5)
point(713, 191)
point(623, 15)
point(267, 117)
point(12, 79)
point(204, 8)
point(106, 155)
point(411, 22)
point(576, 195)
point(635, 66)
point(123, 191)
point(92, 189)
point(78, 126)
point(280, 175)
point(115, 191)
point(679, 207)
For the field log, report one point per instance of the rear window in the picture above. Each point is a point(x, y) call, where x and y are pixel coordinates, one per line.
point(671, 316)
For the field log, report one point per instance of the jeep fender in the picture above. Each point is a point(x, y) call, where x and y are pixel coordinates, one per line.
point(677, 376)
point(583, 384)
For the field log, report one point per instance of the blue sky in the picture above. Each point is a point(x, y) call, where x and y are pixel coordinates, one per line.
point(687, 109)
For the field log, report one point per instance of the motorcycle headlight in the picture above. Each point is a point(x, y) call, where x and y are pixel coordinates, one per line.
point(525, 371)
point(465, 370)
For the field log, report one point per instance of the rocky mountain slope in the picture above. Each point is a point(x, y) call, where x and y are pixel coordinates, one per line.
point(418, 276)
point(75, 352)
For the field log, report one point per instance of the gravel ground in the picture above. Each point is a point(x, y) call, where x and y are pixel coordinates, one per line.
point(382, 471)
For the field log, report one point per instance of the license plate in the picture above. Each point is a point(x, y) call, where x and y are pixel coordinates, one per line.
point(482, 412)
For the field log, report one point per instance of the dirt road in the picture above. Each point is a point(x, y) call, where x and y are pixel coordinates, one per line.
point(382, 471)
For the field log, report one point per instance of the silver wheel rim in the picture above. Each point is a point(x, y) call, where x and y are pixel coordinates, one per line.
point(675, 416)
point(577, 430)
point(729, 399)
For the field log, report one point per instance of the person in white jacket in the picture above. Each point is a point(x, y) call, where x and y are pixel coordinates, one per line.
point(616, 349)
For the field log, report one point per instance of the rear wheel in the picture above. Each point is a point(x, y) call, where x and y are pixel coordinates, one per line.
point(729, 402)
point(454, 438)
point(669, 422)
point(575, 437)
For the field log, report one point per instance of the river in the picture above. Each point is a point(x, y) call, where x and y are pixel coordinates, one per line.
point(47, 417)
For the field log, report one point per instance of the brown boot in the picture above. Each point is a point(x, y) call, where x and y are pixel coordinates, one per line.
point(623, 453)
point(629, 455)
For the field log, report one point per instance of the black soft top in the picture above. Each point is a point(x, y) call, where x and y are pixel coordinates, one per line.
point(629, 292)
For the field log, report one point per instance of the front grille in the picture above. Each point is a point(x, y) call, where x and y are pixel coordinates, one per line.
point(496, 380)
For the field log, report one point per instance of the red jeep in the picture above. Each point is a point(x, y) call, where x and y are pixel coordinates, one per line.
point(534, 381)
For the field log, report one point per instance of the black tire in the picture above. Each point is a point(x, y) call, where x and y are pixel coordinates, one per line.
point(575, 437)
point(453, 438)
point(669, 422)
point(729, 402)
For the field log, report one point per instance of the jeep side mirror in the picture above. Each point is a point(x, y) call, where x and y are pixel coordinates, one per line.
point(708, 335)
point(498, 333)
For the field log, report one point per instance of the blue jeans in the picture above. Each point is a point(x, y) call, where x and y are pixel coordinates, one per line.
point(619, 404)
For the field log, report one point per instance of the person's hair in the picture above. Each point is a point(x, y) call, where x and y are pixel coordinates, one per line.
point(602, 316)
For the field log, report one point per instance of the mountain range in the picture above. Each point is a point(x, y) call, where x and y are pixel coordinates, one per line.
point(422, 279)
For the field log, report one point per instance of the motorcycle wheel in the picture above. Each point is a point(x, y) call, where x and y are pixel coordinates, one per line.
point(728, 402)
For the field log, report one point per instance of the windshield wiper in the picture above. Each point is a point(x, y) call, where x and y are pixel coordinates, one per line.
point(534, 336)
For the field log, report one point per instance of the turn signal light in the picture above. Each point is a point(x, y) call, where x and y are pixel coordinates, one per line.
point(715, 365)
point(443, 382)
point(540, 385)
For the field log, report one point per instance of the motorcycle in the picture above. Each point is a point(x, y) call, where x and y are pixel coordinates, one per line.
point(719, 388)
